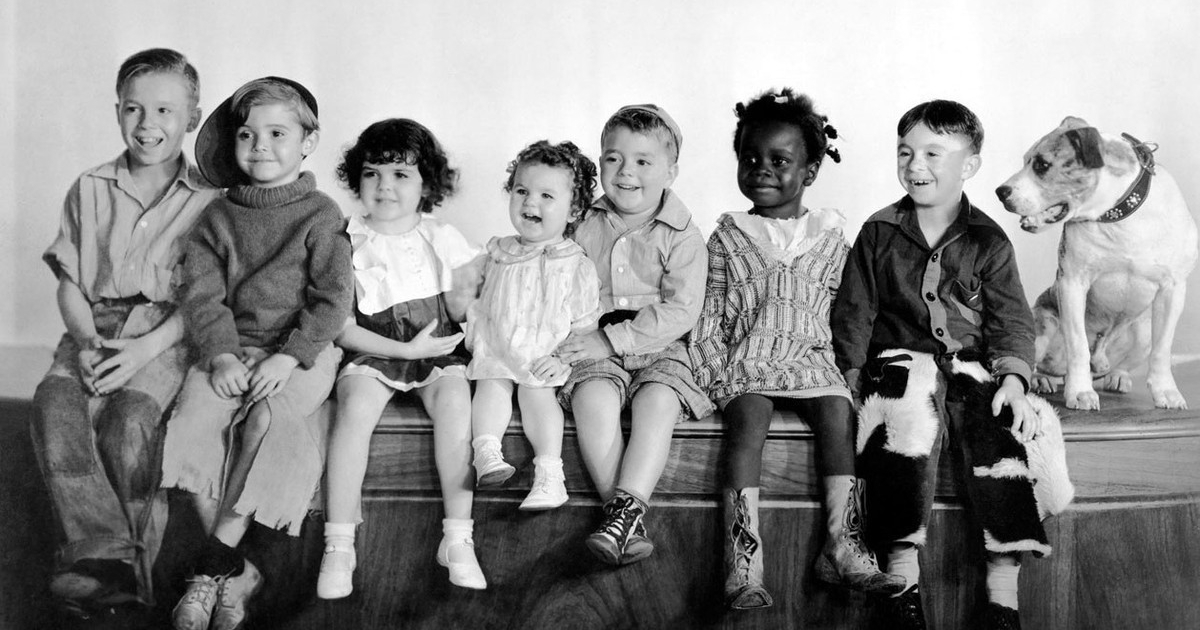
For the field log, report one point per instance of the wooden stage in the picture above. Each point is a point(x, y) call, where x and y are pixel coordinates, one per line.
point(1126, 553)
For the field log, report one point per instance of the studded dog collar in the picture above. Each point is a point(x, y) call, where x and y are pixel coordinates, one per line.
point(1137, 192)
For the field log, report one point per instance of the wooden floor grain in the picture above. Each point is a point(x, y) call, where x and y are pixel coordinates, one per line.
point(1126, 554)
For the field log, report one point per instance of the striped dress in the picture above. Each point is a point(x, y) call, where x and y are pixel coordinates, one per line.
point(765, 327)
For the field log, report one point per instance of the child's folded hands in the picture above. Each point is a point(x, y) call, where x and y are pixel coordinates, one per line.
point(269, 376)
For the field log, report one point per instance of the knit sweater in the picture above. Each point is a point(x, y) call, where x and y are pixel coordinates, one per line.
point(268, 268)
point(764, 327)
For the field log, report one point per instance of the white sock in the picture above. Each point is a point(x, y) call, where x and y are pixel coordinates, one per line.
point(903, 561)
point(340, 536)
point(548, 463)
point(1002, 582)
point(485, 439)
point(456, 529)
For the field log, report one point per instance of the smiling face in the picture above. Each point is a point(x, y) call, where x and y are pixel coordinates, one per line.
point(391, 195)
point(773, 170)
point(635, 169)
point(539, 203)
point(932, 166)
point(155, 113)
point(270, 146)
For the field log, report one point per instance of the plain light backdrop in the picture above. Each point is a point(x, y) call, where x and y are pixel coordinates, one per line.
point(490, 77)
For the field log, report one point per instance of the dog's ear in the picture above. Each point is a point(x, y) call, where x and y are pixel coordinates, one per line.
point(1086, 142)
point(1073, 122)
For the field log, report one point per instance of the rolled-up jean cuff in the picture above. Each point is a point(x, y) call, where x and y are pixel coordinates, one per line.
point(100, 547)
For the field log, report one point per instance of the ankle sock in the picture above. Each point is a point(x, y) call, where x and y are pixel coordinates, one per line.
point(340, 536)
point(483, 440)
point(903, 561)
point(548, 463)
point(217, 558)
point(1002, 582)
point(456, 529)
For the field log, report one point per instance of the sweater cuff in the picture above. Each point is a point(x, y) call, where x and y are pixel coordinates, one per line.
point(1003, 366)
point(301, 349)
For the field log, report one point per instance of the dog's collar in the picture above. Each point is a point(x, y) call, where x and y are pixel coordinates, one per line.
point(1133, 198)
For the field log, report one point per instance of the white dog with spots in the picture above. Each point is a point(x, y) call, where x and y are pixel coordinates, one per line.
point(1128, 245)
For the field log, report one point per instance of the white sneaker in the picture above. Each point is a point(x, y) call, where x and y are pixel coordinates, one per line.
point(490, 467)
point(336, 579)
point(234, 596)
point(549, 490)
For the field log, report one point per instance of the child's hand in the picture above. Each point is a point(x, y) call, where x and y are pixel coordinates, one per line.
point(228, 376)
point(131, 355)
point(89, 357)
point(580, 346)
point(1026, 422)
point(425, 345)
point(269, 376)
point(549, 368)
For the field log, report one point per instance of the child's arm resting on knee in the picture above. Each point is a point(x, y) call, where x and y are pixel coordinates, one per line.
point(424, 345)
point(134, 353)
point(77, 315)
point(1026, 422)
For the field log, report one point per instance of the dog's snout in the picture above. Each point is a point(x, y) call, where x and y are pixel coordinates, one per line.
point(1004, 192)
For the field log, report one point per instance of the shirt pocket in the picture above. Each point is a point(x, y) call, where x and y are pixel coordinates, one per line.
point(968, 299)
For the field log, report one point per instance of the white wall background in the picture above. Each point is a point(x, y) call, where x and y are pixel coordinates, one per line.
point(490, 77)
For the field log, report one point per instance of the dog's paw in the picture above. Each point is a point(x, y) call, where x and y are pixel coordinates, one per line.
point(1169, 399)
point(1043, 384)
point(1085, 400)
point(1117, 381)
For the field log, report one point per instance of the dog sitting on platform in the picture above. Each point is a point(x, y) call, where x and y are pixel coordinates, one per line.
point(1128, 245)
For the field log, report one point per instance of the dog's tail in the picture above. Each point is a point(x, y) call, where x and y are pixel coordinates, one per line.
point(1180, 359)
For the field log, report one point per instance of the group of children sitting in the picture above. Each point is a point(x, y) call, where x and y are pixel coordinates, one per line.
point(237, 296)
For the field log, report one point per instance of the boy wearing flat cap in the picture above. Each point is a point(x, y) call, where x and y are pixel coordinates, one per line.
point(267, 287)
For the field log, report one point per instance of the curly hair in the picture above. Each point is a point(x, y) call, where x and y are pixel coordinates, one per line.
point(401, 140)
point(944, 117)
point(562, 155)
point(787, 106)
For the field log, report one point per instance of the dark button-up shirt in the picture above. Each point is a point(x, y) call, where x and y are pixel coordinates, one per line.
point(964, 293)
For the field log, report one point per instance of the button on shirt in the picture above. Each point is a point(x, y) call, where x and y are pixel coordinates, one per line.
point(898, 292)
point(658, 269)
point(112, 246)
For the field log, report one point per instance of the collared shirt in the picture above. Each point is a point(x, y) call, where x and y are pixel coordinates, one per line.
point(965, 293)
point(657, 269)
point(114, 247)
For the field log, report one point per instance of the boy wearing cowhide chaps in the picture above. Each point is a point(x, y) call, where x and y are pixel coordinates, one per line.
point(933, 332)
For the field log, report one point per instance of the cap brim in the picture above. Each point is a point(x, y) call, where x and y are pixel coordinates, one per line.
point(214, 148)
point(215, 141)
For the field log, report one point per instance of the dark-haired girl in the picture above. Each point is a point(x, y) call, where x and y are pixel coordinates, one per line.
point(763, 340)
point(404, 337)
